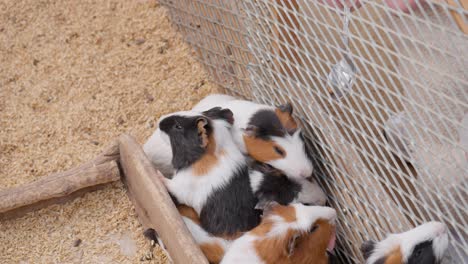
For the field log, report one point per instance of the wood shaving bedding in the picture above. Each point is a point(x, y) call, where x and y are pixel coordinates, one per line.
point(74, 76)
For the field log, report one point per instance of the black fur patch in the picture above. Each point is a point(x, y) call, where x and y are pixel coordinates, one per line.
point(186, 142)
point(366, 248)
point(220, 113)
point(151, 234)
point(275, 186)
point(231, 209)
point(267, 124)
point(423, 253)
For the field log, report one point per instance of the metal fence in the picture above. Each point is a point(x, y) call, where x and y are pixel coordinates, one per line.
point(380, 86)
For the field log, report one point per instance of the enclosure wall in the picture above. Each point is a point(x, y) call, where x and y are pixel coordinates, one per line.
point(380, 87)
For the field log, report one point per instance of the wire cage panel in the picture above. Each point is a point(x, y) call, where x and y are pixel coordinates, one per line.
point(380, 87)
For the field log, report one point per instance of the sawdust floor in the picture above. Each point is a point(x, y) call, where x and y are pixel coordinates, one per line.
point(73, 76)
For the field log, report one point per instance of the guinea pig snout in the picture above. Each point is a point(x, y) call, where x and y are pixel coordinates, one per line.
point(328, 213)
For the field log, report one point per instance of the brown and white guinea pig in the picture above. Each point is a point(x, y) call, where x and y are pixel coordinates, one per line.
point(425, 244)
point(211, 174)
point(287, 234)
point(267, 134)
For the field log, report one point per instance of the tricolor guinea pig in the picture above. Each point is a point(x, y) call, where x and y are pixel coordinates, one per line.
point(211, 174)
point(287, 234)
point(267, 134)
point(425, 244)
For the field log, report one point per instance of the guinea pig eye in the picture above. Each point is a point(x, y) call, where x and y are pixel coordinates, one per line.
point(279, 151)
point(177, 126)
point(314, 228)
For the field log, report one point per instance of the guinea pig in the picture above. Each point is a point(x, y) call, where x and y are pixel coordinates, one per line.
point(267, 134)
point(269, 184)
point(211, 174)
point(158, 146)
point(425, 244)
point(287, 234)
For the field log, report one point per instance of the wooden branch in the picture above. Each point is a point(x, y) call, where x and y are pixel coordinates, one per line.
point(153, 204)
point(61, 187)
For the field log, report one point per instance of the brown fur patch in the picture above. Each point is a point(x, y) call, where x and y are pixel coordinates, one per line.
point(213, 252)
point(208, 160)
point(188, 212)
point(286, 120)
point(310, 247)
point(263, 228)
point(288, 213)
point(260, 149)
point(274, 250)
point(395, 257)
point(202, 132)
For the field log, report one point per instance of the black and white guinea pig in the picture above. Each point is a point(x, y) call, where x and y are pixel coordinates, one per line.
point(211, 174)
point(267, 134)
point(425, 244)
point(158, 146)
point(270, 184)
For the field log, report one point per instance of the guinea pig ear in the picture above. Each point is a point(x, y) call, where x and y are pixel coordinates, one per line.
point(220, 113)
point(251, 131)
point(367, 247)
point(286, 108)
point(202, 133)
point(292, 245)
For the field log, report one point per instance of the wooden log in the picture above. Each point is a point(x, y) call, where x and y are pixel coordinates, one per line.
point(61, 187)
point(153, 204)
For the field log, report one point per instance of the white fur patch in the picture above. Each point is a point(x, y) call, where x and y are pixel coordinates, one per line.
point(311, 193)
point(256, 179)
point(307, 215)
point(296, 163)
point(202, 237)
point(242, 251)
point(435, 231)
point(159, 152)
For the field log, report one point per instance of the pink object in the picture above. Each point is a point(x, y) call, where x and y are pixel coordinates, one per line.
point(403, 5)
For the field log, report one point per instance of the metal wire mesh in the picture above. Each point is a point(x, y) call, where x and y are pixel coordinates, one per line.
point(381, 91)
